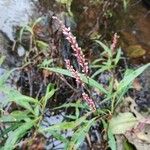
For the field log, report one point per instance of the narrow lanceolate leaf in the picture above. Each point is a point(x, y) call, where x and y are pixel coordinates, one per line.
point(15, 95)
point(65, 125)
point(2, 58)
point(3, 78)
point(9, 129)
point(84, 78)
point(15, 116)
point(50, 91)
point(130, 77)
point(18, 98)
point(77, 105)
point(106, 48)
point(111, 140)
point(79, 136)
point(17, 134)
point(122, 123)
point(118, 56)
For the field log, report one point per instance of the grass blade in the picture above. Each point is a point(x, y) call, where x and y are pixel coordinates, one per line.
point(17, 135)
point(127, 80)
point(84, 78)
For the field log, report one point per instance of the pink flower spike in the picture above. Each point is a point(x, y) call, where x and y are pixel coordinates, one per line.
point(89, 101)
point(74, 73)
point(114, 43)
point(74, 45)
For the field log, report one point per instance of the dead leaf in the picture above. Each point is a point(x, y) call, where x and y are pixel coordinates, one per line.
point(122, 123)
point(138, 140)
point(136, 85)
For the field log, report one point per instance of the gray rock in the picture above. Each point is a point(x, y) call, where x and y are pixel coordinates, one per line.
point(21, 51)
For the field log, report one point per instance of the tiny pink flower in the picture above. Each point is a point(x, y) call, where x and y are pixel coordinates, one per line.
point(74, 45)
point(89, 101)
point(80, 58)
point(114, 43)
point(75, 73)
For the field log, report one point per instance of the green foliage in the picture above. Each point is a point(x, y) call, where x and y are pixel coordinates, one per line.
point(2, 58)
point(79, 135)
point(17, 134)
point(36, 45)
point(107, 62)
point(29, 28)
point(111, 140)
point(20, 122)
point(81, 126)
point(84, 78)
point(130, 76)
point(30, 110)
point(125, 4)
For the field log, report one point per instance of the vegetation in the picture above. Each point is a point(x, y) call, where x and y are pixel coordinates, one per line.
point(95, 103)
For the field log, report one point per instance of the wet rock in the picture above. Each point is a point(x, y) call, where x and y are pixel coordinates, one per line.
point(11, 59)
point(143, 96)
point(147, 3)
point(146, 79)
point(14, 13)
point(135, 51)
point(21, 51)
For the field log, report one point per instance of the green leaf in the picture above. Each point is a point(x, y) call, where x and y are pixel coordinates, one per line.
point(65, 125)
point(125, 4)
point(106, 48)
point(46, 62)
point(59, 137)
point(17, 134)
point(50, 91)
point(37, 110)
point(103, 68)
point(42, 45)
point(11, 128)
point(112, 141)
point(97, 61)
point(21, 33)
point(118, 56)
point(78, 105)
point(4, 77)
point(126, 81)
point(23, 29)
point(15, 116)
point(128, 146)
point(37, 21)
point(29, 29)
point(2, 58)
point(18, 98)
point(79, 136)
point(84, 78)
point(15, 95)
point(122, 123)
